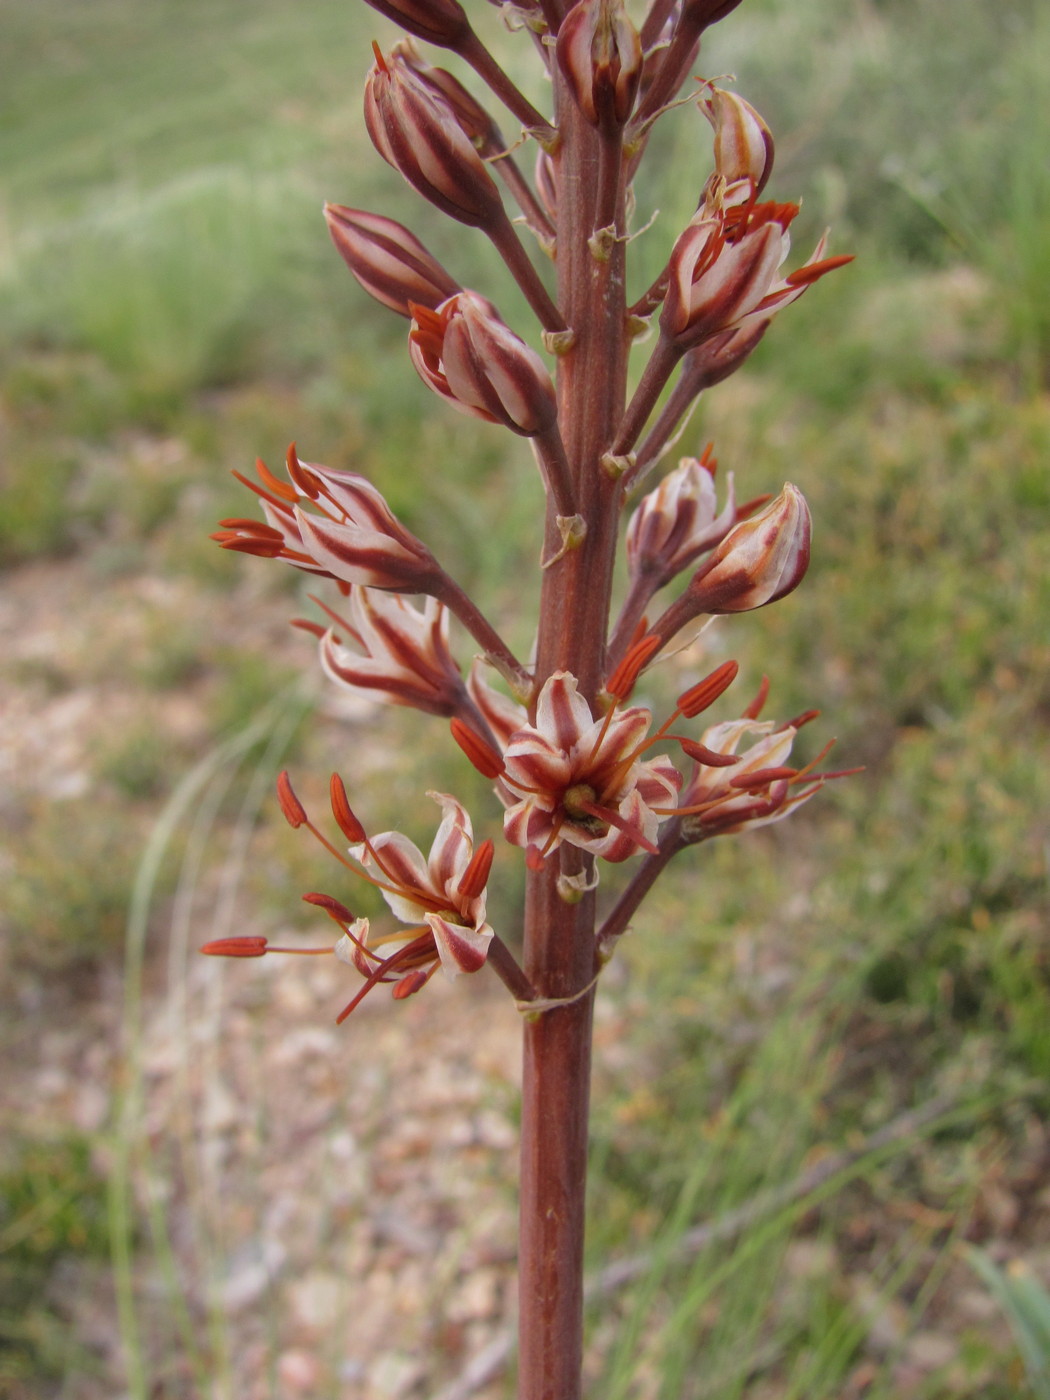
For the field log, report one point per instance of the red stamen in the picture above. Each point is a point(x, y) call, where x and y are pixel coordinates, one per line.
point(803, 276)
point(293, 809)
point(246, 947)
point(343, 812)
point(306, 625)
point(257, 527)
point(414, 982)
point(339, 912)
point(476, 875)
point(302, 477)
point(755, 708)
point(749, 507)
point(804, 718)
point(487, 760)
point(625, 677)
point(710, 758)
point(698, 697)
point(761, 777)
point(265, 549)
point(380, 60)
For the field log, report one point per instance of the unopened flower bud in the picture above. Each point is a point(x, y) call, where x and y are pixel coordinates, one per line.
point(701, 14)
point(389, 262)
point(417, 133)
point(743, 142)
point(440, 22)
point(600, 53)
point(465, 353)
point(760, 560)
point(477, 125)
point(678, 521)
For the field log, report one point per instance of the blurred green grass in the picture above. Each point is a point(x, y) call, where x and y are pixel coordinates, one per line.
point(169, 306)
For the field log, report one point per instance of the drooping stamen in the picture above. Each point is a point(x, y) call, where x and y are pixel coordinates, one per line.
point(339, 912)
point(710, 758)
point(414, 982)
point(379, 973)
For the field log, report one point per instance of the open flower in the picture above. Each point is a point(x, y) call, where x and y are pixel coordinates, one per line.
point(388, 649)
point(752, 790)
point(440, 899)
point(416, 132)
point(350, 534)
point(388, 261)
point(575, 778)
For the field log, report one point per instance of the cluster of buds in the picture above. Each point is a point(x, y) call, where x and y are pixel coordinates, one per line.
point(582, 776)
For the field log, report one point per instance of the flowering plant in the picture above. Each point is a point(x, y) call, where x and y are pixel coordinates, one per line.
point(585, 778)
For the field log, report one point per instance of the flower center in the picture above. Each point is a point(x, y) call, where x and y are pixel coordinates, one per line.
point(578, 800)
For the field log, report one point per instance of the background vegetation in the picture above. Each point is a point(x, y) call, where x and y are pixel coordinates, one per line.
point(169, 306)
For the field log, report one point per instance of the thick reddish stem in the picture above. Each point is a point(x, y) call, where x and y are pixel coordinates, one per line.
point(560, 948)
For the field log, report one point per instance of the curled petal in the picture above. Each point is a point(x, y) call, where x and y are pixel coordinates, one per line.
point(461, 949)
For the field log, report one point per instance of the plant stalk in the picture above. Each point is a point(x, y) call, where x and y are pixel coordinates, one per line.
point(560, 948)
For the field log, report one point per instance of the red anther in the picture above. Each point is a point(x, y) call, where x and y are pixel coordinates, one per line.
point(709, 461)
point(265, 549)
point(755, 503)
point(301, 475)
point(414, 982)
point(343, 812)
point(755, 708)
point(339, 912)
point(380, 60)
point(308, 625)
point(804, 718)
point(476, 875)
point(698, 697)
point(710, 758)
point(240, 522)
point(533, 858)
point(761, 777)
point(803, 276)
point(271, 482)
point(625, 677)
point(487, 760)
point(246, 947)
point(293, 809)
